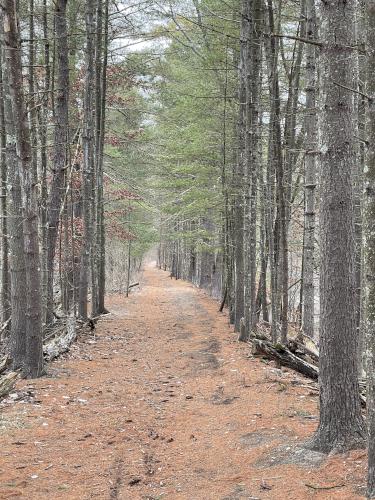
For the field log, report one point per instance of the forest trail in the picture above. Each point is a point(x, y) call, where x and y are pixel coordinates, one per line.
point(163, 403)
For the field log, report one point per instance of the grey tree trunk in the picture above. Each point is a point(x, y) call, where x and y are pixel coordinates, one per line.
point(101, 223)
point(227, 275)
point(96, 182)
point(88, 160)
point(100, 164)
point(5, 284)
point(238, 180)
point(341, 424)
point(256, 155)
point(249, 20)
point(60, 160)
point(43, 114)
point(17, 264)
point(33, 365)
point(311, 124)
point(287, 166)
point(370, 247)
point(274, 159)
point(31, 101)
point(264, 252)
point(359, 200)
point(253, 154)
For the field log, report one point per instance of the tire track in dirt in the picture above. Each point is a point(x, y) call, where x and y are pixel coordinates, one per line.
point(163, 403)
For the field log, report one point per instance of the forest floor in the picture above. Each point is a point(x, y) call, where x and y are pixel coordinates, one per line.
point(164, 403)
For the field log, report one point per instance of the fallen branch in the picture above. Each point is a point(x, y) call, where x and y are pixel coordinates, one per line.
point(4, 364)
point(5, 325)
point(312, 486)
point(295, 346)
point(284, 356)
point(58, 345)
point(133, 285)
point(52, 348)
point(53, 332)
point(311, 341)
point(310, 387)
point(7, 383)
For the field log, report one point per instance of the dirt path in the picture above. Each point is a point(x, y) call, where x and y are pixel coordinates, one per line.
point(164, 404)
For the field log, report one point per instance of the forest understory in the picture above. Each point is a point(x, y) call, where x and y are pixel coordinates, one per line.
point(160, 401)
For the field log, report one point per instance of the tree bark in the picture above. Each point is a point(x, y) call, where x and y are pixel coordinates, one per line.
point(274, 162)
point(17, 265)
point(253, 62)
point(5, 283)
point(88, 160)
point(370, 248)
point(238, 180)
point(60, 160)
point(341, 424)
point(43, 114)
point(32, 108)
point(311, 139)
point(33, 365)
point(100, 189)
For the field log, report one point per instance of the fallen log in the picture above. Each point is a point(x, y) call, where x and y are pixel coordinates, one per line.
point(52, 348)
point(4, 364)
point(284, 356)
point(56, 346)
point(308, 341)
point(297, 347)
point(7, 383)
point(4, 327)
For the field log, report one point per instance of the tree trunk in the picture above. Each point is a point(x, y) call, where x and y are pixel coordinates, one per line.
point(32, 108)
point(5, 284)
point(238, 181)
point(96, 212)
point(273, 171)
point(310, 175)
point(359, 200)
point(33, 366)
point(253, 154)
point(88, 160)
point(100, 222)
point(370, 253)
point(43, 114)
point(264, 253)
point(60, 161)
point(255, 136)
point(17, 265)
point(341, 424)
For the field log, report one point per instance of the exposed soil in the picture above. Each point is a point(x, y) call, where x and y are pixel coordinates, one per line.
point(164, 403)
